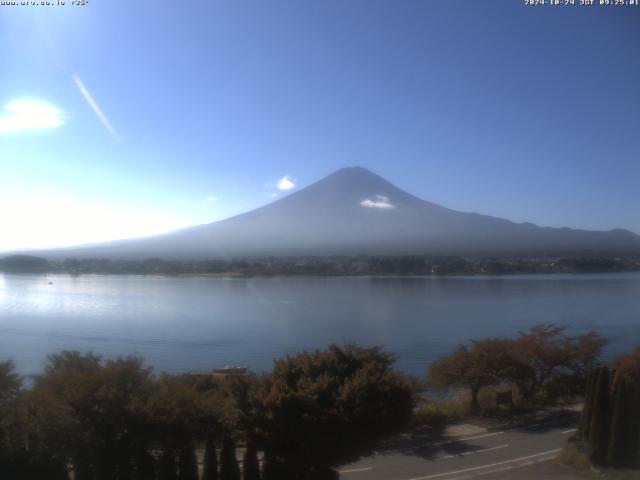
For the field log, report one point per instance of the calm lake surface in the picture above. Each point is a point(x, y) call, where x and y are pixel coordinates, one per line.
point(195, 323)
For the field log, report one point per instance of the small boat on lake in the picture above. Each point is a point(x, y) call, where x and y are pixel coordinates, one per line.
point(230, 370)
point(226, 370)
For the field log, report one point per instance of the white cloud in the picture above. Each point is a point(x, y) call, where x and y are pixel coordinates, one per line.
point(96, 109)
point(380, 201)
point(273, 194)
point(286, 183)
point(21, 115)
point(210, 199)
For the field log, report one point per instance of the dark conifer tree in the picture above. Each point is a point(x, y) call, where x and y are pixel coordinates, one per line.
point(600, 420)
point(625, 431)
point(210, 460)
point(585, 419)
point(268, 466)
point(616, 450)
point(632, 438)
point(276, 469)
point(167, 466)
point(145, 466)
point(47, 466)
point(229, 468)
point(82, 469)
point(250, 467)
point(188, 464)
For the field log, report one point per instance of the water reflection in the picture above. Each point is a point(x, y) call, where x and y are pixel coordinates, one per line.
point(194, 323)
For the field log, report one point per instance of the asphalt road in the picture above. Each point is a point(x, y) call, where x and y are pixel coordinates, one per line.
point(486, 455)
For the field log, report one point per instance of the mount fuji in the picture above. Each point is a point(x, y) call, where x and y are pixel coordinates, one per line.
point(354, 211)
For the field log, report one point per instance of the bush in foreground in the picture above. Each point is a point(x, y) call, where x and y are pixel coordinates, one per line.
point(324, 408)
point(543, 363)
point(94, 419)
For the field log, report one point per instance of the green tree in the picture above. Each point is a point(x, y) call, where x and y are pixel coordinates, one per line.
point(480, 365)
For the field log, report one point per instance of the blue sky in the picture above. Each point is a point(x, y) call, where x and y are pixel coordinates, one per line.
point(125, 118)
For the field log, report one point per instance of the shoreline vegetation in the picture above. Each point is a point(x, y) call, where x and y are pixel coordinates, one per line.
point(89, 418)
point(326, 266)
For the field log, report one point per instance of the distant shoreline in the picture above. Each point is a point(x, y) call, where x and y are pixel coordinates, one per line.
point(404, 266)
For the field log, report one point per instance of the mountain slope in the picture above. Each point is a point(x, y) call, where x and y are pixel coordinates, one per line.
point(353, 211)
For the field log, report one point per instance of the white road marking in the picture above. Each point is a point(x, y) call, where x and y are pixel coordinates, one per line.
point(486, 449)
point(508, 467)
point(354, 470)
point(534, 425)
point(497, 470)
point(570, 431)
point(447, 442)
point(477, 436)
point(481, 467)
point(476, 451)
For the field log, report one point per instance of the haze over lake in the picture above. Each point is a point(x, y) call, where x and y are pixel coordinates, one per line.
point(196, 323)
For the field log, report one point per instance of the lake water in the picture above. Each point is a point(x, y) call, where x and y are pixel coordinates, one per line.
point(196, 323)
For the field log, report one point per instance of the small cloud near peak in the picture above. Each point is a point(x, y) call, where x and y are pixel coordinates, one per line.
point(286, 183)
point(380, 202)
point(211, 199)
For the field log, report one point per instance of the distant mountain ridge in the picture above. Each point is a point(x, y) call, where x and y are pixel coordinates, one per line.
point(354, 211)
